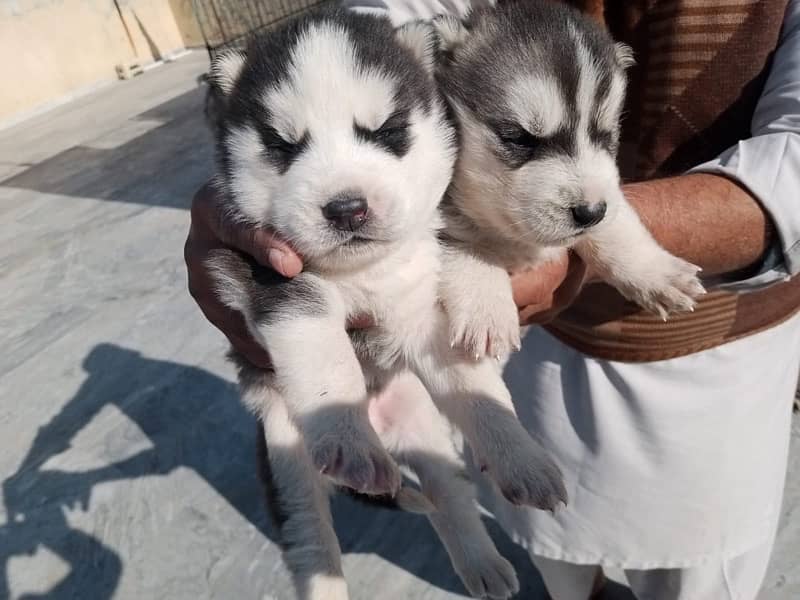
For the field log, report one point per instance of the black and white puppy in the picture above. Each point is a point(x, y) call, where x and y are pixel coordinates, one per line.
point(332, 133)
point(538, 89)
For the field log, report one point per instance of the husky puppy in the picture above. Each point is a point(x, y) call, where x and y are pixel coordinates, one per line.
point(332, 133)
point(538, 88)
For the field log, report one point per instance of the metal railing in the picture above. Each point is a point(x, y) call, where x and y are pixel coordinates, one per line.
point(229, 23)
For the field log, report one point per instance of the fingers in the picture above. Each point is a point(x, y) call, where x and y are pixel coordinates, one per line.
point(535, 287)
point(264, 247)
point(552, 300)
point(212, 223)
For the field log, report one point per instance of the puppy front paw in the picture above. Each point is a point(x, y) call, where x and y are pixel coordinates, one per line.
point(485, 323)
point(665, 284)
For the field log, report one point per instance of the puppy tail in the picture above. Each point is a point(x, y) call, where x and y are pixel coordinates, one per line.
point(413, 501)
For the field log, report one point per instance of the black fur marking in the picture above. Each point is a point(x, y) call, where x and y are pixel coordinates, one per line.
point(281, 153)
point(269, 294)
point(518, 146)
point(607, 140)
point(604, 69)
point(393, 135)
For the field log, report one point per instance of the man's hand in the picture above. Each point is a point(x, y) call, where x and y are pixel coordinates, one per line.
point(541, 293)
point(211, 228)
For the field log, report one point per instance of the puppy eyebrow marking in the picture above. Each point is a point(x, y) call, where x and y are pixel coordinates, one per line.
point(270, 295)
point(536, 102)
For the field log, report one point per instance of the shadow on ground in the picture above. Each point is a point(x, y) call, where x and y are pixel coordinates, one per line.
point(163, 166)
point(195, 422)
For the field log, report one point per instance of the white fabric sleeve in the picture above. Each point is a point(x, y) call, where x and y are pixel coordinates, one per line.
point(768, 163)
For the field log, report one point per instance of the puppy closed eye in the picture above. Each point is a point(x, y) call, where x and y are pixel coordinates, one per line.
point(519, 146)
point(512, 135)
point(278, 150)
point(393, 136)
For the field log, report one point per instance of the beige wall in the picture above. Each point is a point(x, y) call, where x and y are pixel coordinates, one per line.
point(51, 48)
point(187, 23)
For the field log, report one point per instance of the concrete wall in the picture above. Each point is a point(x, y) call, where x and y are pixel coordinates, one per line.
point(52, 48)
point(187, 23)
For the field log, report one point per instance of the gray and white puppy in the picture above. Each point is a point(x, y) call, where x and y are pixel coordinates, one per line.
point(332, 133)
point(538, 89)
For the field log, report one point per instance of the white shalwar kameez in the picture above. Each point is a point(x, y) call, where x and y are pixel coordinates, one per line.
point(675, 469)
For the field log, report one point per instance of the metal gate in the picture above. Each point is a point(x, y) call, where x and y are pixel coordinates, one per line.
point(228, 23)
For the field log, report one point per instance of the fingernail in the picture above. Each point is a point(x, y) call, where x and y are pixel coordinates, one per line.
point(275, 258)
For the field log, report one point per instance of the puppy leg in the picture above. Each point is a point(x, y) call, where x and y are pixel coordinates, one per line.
point(301, 323)
point(297, 498)
point(324, 380)
point(477, 298)
point(415, 433)
point(474, 397)
point(622, 251)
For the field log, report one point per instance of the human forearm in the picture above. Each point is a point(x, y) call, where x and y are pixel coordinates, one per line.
point(706, 219)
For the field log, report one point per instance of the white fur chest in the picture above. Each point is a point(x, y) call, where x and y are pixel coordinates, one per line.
point(398, 289)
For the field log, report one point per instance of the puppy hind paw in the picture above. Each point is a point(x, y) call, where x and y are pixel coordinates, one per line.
point(526, 475)
point(489, 576)
point(357, 461)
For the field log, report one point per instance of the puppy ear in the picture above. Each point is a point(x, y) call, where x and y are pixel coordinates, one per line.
point(625, 57)
point(451, 32)
point(420, 38)
point(225, 70)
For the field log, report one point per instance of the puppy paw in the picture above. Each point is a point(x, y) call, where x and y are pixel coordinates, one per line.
point(524, 472)
point(666, 284)
point(488, 575)
point(486, 323)
point(351, 455)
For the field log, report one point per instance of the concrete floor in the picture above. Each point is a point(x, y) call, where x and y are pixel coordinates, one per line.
point(127, 463)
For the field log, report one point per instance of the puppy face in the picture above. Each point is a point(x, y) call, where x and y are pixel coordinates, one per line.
point(333, 135)
point(538, 90)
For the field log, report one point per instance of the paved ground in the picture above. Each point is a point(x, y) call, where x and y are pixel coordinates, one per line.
point(126, 460)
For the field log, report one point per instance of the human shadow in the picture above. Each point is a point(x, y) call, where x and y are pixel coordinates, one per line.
point(191, 419)
point(196, 423)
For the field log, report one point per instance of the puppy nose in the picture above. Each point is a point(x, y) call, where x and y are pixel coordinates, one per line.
point(586, 215)
point(346, 212)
